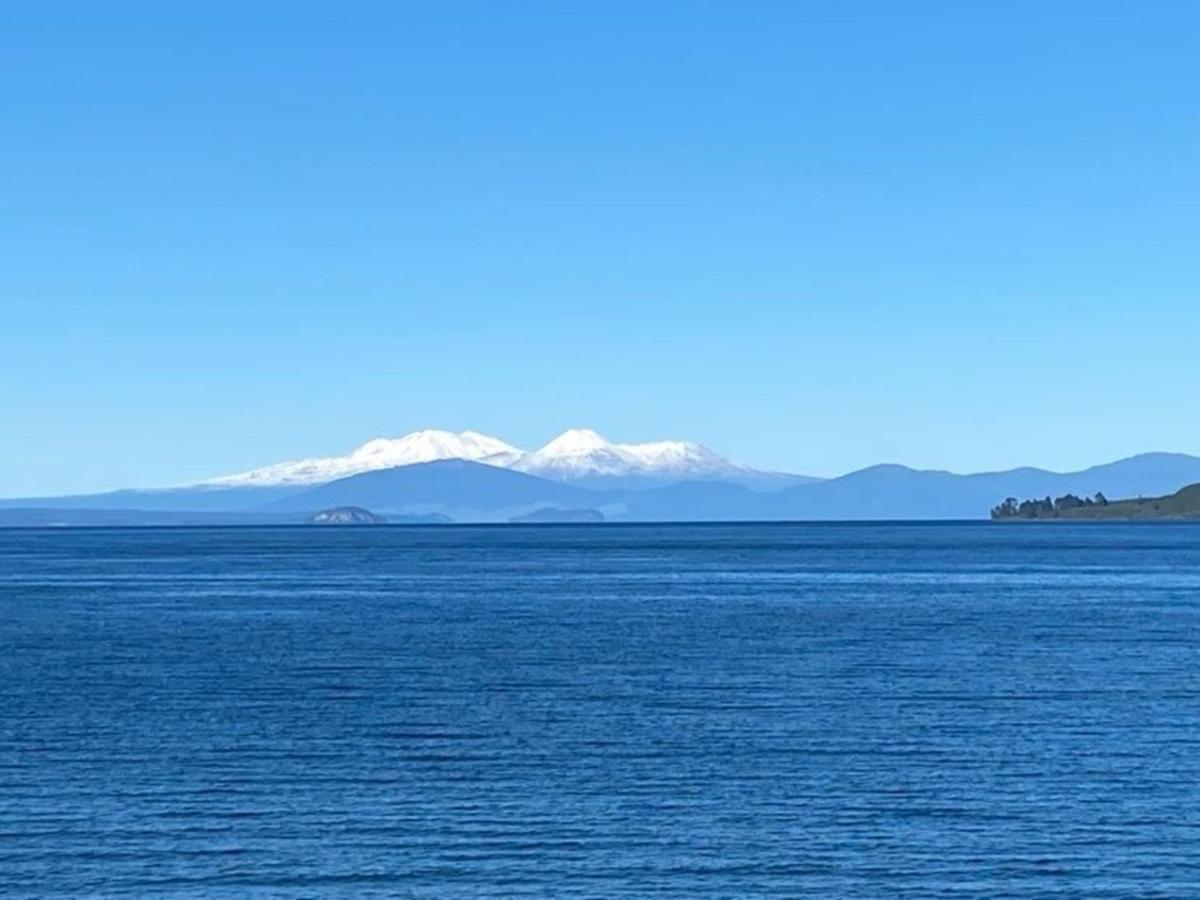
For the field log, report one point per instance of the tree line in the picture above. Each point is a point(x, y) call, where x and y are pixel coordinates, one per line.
point(1044, 509)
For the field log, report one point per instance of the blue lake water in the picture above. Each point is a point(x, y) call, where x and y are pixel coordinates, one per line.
point(612, 711)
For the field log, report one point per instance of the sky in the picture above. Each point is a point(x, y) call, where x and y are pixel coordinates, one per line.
point(813, 236)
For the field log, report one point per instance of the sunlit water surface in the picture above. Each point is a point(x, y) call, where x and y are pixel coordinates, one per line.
point(612, 711)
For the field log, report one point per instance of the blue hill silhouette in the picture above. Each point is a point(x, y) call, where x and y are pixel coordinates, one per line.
point(471, 491)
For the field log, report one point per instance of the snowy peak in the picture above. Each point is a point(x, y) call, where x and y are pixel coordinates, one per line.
point(575, 454)
point(578, 453)
point(574, 442)
point(382, 453)
point(582, 453)
point(430, 445)
point(680, 456)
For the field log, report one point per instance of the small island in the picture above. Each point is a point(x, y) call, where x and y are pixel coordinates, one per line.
point(1183, 504)
point(347, 515)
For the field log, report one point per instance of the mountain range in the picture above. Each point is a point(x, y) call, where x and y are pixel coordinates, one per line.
point(472, 477)
point(578, 454)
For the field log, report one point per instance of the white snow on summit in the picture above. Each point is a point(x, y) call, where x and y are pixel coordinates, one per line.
point(577, 453)
point(580, 453)
point(381, 453)
point(682, 457)
point(574, 454)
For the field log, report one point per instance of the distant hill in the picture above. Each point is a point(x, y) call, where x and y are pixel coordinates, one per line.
point(467, 491)
point(449, 486)
point(897, 492)
point(1183, 504)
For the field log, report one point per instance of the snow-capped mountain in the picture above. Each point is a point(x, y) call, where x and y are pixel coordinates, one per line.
point(575, 454)
point(582, 453)
point(382, 453)
point(683, 458)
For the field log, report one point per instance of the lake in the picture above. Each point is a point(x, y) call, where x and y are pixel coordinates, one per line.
point(831, 710)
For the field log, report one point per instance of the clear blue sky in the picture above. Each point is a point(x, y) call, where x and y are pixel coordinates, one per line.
point(814, 236)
